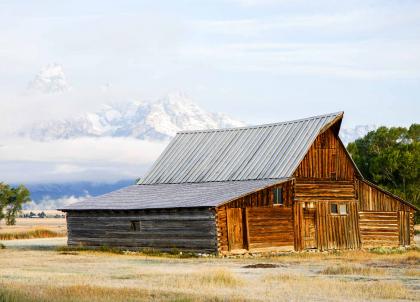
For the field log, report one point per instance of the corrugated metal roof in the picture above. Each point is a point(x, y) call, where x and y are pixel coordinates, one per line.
point(161, 196)
point(258, 152)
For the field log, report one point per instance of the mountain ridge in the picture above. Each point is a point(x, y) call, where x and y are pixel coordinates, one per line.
point(159, 120)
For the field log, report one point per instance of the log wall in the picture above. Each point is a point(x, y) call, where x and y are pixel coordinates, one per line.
point(385, 220)
point(379, 229)
point(167, 229)
point(270, 227)
point(259, 219)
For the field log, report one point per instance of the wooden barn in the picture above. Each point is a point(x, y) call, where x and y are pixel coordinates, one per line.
point(276, 187)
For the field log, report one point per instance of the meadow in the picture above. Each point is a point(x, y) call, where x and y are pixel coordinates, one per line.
point(27, 228)
point(46, 270)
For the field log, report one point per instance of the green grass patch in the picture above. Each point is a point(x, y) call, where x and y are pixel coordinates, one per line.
point(2, 246)
point(69, 250)
point(37, 233)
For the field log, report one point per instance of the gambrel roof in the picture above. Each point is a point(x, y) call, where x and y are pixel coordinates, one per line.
point(269, 151)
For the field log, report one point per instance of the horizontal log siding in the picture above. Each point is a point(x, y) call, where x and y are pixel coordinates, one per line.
point(310, 190)
point(379, 228)
point(181, 229)
point(260, 199)
point(326, 159)
point(270, 227)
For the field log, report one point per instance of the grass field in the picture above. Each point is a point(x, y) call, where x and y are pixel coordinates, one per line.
point(49, 274)
point(27, 228)
point(40, 270)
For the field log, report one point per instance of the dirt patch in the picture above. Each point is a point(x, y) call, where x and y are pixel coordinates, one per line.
point(262, 265)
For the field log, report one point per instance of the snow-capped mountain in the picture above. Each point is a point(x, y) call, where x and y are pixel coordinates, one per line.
point(351, 134)
point(50, 79)
point(143, 120)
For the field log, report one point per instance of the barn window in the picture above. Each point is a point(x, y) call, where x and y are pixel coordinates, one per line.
point(135, 225)
point(343, 209)
point(338, 209)
point(278, 196)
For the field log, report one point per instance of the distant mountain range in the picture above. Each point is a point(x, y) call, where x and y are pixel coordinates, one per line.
point(158, 120)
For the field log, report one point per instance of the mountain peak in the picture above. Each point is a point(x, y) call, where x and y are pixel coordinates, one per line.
point(50, 79)
point(157, 120)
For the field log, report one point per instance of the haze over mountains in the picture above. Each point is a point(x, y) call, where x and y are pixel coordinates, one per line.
point(159, 120)
point(154, 121)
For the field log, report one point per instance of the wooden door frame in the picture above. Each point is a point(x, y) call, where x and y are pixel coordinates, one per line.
point(244, 228)
point(311, 211)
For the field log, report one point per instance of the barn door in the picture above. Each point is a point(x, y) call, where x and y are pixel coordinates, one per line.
point(404, 227)
point(235, 229)
point(309, 229)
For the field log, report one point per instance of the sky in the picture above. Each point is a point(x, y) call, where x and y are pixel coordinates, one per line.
point(259, 61)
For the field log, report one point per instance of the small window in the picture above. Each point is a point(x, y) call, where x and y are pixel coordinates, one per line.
point(135, 226)
point(338, 209)
point(334, 208)
point(278, 196)
point(343, 209)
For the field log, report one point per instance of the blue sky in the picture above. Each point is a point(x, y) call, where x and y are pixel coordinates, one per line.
point(258, 61)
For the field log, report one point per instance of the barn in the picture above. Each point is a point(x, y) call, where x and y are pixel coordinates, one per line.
point(276, 187)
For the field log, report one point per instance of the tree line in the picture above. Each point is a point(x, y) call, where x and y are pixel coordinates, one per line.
point(390, 158)
point(12, 200)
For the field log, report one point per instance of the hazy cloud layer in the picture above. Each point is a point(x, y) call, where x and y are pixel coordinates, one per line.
point(95, 159)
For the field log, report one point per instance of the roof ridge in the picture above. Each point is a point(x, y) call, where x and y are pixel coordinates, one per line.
point(262, 125)
point(213, 181)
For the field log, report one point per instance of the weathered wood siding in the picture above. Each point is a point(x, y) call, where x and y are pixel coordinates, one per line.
point(326, 175)
point(384, 219)
point(264, 225)
point(270, 227)
point(373, 199)
point(326, 159)
point(324, 190)
point(181, 229)
point(379, 228)
point(332, 231)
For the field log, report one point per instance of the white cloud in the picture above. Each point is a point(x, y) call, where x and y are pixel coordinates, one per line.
point(123, 150)
point(94, 159)
point(53, 204)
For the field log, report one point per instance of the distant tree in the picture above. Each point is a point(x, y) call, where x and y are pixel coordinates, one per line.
point(390, 157)
point(42, 215)
point(11, 201)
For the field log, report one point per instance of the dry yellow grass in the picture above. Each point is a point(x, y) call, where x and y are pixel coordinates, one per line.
point(30, 234)
point(26, 224)
point(29, 275)
point(353, 269)
point(412, 273)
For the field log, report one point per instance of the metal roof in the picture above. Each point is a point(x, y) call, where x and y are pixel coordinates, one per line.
point(161, 196)
point(258, 152)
